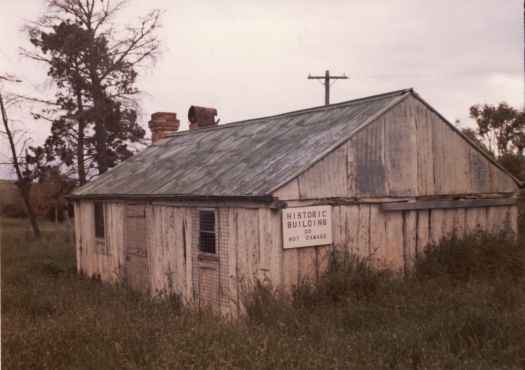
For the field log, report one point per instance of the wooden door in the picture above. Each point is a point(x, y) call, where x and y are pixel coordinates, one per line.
point(136, 267)
point(209, 281)
point(207, 262)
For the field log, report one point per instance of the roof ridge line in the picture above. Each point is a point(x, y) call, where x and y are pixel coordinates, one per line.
point(292, 113)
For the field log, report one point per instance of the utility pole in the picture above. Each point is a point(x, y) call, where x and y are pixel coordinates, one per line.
point(326, 83)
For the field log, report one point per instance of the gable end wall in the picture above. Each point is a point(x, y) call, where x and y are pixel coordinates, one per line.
point(409, 151)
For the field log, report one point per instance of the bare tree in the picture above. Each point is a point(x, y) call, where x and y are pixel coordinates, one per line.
point(22, 183)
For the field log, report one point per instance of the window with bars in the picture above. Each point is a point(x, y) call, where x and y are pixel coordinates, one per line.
point(99, 220)
point(207, 234)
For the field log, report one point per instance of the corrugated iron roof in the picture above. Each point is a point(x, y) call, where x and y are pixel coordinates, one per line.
point(247, 158)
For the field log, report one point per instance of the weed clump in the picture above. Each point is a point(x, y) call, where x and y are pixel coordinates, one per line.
point(476, 256)
point(348, 278)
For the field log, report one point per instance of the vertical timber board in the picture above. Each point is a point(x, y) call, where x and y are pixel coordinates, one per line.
point(233, 273)
point(425, 162)
point(179, 254)
point(351, 167)
point(513, 221)
point(187, 232)
point(248, 244)
point(154, 248)
point(455, 166)
point(436, 225)
point(394, 238)
point(504, 218)
point(339, 228)
point(369, 171)
point(438, 156)
point(121, 256)
point(493, 220)
point(78, 236)
point(270, 244)
point(423, 230)
point(460, 222)
point(327, 178)
point(223, 243)
point(171, 248)
point(449, 225)
point(115, 235)
point(307, 263)
point(363, 249)
point(479, 177)
point(400, 146)
point(481, 219)
point(88, 232)
point(377, 236)
point(471, 220)
point(352, 229)
point(450, 159)
point(409, 238)
point(500, 181)
point(323, 259)
point(290, 268)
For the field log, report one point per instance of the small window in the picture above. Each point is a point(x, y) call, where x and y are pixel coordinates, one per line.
point(99, 220)
point(207, 237)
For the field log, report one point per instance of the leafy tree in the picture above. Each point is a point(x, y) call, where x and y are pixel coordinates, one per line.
point(514, 163)
point(94, 65)
point(473, 136)
point(501, 127)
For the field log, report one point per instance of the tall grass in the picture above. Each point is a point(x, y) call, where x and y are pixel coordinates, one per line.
point(463, 307)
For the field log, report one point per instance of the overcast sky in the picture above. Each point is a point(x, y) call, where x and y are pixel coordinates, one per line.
point(252, 58)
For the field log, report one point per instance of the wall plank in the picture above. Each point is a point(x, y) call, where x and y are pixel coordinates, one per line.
point(409, 238)
point(423, 231)
point(401, 150)
point(394, 256)
point(327, 178)
point(378, 240)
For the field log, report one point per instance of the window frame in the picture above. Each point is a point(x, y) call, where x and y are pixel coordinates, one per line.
point(99, 213)
point(214, 232)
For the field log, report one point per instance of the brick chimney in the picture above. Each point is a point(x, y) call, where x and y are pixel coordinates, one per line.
point(162, 124)
point(202, 117)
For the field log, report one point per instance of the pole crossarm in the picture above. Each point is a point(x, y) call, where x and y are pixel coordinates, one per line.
point(326, 83)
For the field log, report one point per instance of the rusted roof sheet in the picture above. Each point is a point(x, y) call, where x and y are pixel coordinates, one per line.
point(247, 158)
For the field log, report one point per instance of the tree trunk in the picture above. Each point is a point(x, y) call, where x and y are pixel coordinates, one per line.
point(99, 105)
point(22, 183)
point(80, 140)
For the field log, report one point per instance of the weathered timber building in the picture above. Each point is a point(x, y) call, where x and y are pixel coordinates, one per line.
point(202, 212)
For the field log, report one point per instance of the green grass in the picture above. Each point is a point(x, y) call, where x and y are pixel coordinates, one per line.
point(462, 307)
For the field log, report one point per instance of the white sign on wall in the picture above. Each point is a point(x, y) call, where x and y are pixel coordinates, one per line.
point(307, 226)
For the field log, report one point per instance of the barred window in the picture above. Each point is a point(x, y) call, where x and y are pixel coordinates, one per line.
point(207, 235)
point(99, 220)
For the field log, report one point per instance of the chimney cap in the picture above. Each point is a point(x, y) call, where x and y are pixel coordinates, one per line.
point(163, 124)
point(202, 117)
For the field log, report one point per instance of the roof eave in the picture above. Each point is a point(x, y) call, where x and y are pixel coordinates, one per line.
point(263, 199)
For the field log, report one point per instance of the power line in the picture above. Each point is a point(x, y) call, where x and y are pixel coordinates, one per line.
point(437, 74)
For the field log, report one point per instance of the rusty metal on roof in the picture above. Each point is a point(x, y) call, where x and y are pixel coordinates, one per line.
point(242, 159)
